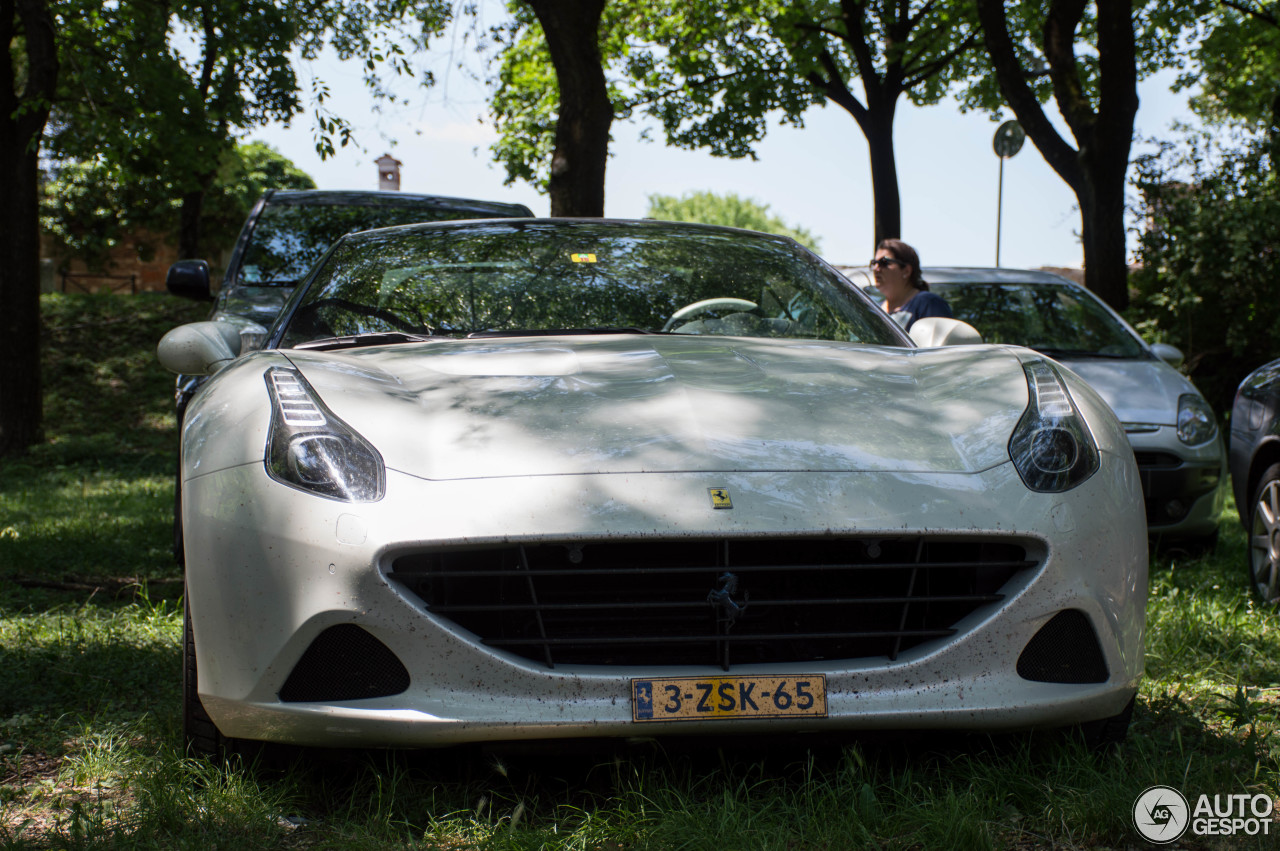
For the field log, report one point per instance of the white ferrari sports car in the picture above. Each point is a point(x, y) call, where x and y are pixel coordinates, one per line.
point(531, 479)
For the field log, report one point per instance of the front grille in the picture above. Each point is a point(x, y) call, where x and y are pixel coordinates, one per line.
point(720, 602)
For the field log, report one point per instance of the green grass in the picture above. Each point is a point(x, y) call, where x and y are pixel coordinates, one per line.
point(90, 678)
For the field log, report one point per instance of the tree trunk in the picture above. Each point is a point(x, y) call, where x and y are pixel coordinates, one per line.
point(189, 225)
point(22, 120)
point(1096, 170)
point(878, 129)
point(572, 28)
point(1106, 267)
point(875, 120)
point(190, 218)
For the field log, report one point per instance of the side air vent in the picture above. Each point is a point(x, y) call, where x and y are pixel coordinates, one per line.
point(345, 663)
point(1065, 650)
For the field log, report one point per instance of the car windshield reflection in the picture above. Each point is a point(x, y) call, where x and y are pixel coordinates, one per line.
point(538, 277)
point(1059, 320)
point(289, 238)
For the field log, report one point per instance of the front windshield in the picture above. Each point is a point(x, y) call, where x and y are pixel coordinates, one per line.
point(521, 277)
point(288, 239)
point(1058, 319)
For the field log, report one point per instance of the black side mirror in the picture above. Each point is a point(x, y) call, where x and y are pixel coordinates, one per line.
point(189, 279)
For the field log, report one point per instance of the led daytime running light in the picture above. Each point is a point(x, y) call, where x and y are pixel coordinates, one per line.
point(1050, 396)
point(295, 405)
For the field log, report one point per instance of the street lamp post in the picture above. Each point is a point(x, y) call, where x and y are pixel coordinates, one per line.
point(1007, 142)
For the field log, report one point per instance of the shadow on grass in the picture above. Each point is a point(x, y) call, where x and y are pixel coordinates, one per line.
point(900, 790)
point(109, 514)
point(67, 669)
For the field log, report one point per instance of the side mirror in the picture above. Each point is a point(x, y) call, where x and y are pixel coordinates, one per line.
point(935, 331)
point(200, 348)
point(1171, 355)
point(189, 279)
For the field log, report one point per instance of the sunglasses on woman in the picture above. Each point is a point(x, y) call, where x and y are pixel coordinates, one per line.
point(886, 263)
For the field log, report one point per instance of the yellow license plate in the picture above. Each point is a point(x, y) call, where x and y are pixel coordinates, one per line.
point(704, 698)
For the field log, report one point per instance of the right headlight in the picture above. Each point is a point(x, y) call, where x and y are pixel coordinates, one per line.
point(1051, 446)
point(1196, 423)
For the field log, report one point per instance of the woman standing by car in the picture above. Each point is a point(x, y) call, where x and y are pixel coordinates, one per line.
point(906, 296)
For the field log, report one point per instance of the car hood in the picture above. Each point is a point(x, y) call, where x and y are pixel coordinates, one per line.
point(635, 404)
point(1139, 391)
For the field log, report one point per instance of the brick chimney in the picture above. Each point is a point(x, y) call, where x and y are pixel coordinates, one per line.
point(388, 172)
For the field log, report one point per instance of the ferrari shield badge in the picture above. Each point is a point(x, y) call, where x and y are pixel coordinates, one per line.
point(720, 498)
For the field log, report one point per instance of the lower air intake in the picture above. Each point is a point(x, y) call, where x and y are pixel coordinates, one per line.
point(1065, 650)
point(345, 663)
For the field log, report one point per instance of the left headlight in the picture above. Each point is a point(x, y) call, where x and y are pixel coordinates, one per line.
point(1196, 423)
point(311, 449)
point(1051, 446)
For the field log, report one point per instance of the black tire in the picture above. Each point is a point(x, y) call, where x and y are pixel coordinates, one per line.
point(1198, 547)
point(179, 553)
point(200, 736)
point(1107, 734)
point(1263, 555)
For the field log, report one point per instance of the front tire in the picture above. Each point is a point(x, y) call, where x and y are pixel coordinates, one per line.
point(200, 736)
point(1264, 538)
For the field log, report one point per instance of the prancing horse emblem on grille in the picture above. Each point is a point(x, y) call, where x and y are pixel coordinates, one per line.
point(720, 498)
point(727, 609)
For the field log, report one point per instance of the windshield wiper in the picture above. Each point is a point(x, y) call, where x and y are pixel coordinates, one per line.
point(373, 338)
point(560, 332)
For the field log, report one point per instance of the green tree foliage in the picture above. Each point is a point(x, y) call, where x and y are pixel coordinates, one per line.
point(729, 210)
point(707, 93)
point(127, 89)
point(88, 208)
point(1210, 258)
point(1089, 57)
point(553, 103)
point(715, 74)
point(160, 91)
point(1236, 67)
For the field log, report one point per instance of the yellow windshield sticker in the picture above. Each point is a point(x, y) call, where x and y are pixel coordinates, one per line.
point(582, 258)
point(720, 498)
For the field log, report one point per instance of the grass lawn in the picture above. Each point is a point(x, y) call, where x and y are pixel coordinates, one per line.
point(90, 622)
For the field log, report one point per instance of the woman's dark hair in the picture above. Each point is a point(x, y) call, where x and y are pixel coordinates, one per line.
point(906, 254)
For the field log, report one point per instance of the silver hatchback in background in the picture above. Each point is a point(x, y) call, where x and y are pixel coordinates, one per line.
point(1173, 430)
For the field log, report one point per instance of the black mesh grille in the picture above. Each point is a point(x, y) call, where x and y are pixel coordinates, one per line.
point(345, 663)
point(712, 602)
point(1065, 650)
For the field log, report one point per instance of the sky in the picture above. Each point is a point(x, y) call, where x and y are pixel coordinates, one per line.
point(816, 177)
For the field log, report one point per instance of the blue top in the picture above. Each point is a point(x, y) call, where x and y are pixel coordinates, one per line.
point(919, 306)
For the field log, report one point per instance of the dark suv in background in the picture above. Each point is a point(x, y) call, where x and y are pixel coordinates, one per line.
point(285, 234)
point(288, 231)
